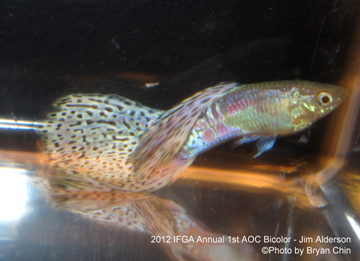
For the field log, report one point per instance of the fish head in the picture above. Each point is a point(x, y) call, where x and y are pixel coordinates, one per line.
point(311, 101)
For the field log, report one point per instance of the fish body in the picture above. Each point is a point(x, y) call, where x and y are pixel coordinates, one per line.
point(263, 111)
point(105, 142)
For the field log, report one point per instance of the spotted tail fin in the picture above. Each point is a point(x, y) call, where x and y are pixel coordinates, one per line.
point(88, 138)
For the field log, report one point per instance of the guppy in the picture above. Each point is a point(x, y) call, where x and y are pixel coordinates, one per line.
point(96, 142)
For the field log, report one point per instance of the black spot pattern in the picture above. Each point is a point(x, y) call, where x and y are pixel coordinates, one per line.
point(89, 138)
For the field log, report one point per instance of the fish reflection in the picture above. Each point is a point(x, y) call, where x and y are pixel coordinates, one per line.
point(100, 142)
point(183, 237)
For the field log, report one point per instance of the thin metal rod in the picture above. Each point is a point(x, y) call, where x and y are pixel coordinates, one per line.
point(19, 125)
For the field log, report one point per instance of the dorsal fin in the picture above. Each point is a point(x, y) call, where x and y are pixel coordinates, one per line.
point(163, 140)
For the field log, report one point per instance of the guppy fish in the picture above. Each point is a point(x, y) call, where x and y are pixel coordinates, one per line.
point(98, 142)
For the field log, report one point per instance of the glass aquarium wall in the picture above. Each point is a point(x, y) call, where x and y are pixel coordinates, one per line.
point(179, 130)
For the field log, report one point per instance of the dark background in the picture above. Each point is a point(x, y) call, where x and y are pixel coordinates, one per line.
point(47, 47)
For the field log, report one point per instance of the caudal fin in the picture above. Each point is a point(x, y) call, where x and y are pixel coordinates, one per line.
point(88, 138)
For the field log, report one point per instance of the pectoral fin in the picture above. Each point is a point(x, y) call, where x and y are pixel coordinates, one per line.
point(265, 144)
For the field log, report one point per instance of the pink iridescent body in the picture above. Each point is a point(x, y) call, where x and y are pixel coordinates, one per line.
point(261, 110)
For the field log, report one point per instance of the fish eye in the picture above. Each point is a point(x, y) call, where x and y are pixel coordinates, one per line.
point(325, 99)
